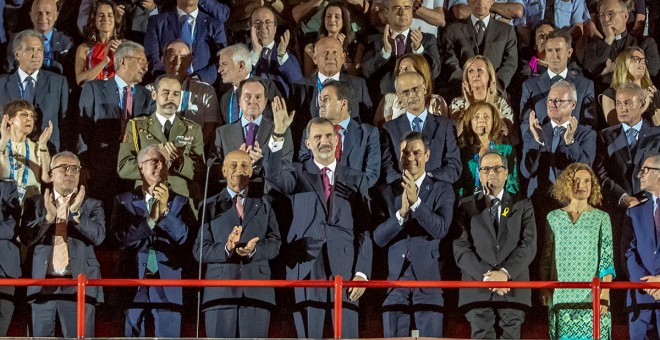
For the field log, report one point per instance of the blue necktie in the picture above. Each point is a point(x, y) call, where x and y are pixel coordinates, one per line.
point(234, 108)
point(28, 91)
point(152, 261)
point(48, 55)
point(631, 136)
point(417, 124)
point(556, 139)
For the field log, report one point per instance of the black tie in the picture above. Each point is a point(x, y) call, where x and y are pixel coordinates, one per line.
point(557, 135)
point(480, 26)
point(167, 128)
point(549, 14)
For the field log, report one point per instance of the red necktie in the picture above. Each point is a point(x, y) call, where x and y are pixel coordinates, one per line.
point(239, 205)
point(339, 142)
point(326, 182)
point(126, 110)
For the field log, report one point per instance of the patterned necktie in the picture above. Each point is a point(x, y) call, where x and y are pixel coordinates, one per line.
point(186, 29)
point(240, 209)
point(480, 27)
point(48, 54)
point(631, 136)
point(417, 124)
point(28, 91)
point(60, 247)
point(494, 211)
point(338, 129)
point(557, 134)
point(556, 78)
point(326, 182)
point(400, 41)
point(167, 128)
point(250, 134)
point(152, 261)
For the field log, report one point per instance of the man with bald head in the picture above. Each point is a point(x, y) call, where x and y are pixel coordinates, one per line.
point(238, 239)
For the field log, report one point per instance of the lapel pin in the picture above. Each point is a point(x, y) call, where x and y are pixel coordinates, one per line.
point(505, 212)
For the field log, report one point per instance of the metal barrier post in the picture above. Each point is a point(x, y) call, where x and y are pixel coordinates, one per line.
point(338, 300)
point(595, 291)
point(82, 282)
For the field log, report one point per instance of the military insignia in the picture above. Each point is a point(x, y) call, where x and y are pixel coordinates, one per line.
point(185, 140)
point(150, 136)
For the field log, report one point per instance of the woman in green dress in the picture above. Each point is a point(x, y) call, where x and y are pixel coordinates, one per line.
point(578, 247)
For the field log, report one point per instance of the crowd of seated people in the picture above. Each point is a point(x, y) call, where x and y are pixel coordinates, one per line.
point(480, 140)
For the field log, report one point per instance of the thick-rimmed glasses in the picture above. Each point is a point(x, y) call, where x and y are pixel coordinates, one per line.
point(645, 169)
point(488, 169)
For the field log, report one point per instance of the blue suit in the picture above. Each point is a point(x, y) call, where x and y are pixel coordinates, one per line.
point(284, 75)
point(445, 162)
point(325, 238)
point(10, 261)
point(414, 254)
point(208, 40)
point(643, 259)
point(221, 303)
point(535, 92)
point(168, 240)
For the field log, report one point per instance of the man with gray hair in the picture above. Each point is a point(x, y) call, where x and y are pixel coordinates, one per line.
point(236, 66)
point(105, 108)
point(47, 91)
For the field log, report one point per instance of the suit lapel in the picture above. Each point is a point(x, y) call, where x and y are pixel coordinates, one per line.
point(483, 212)
point(14, 86)
point(351, 136)
point(425, 190)
point(236, 137)
point(112, 96)
point(251, 207)
point(200, 27)
point(313, 175)
point(430, 126)
point(507, 203)
point(173, 22)
point(264, 132)
point(140, 205)
point(41, 89)
point(156, 129)
point(621, 144)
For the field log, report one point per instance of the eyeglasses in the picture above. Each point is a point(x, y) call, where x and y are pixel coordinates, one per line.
point(645, 169)
point(66, 168)
point(266, 23)
point(639, 60)
point(155, 162)
point(609, 15)
point(558, 102)
point(488, 169)
point(416, 90)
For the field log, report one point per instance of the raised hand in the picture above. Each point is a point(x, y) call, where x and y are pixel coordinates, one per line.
point(341, 37)
point(535, 128)
point(256, 45)
point(77, 199)
point(4, 130)
point(162, 194)
point(284, 43)
point(173, 152)
point(387, 46)
point(233, 238)
point(282, 119)
point(255, 152)
point(49, 204)
point(410, 188)
point(45, 136)
point(416, 38)
point(570, 130)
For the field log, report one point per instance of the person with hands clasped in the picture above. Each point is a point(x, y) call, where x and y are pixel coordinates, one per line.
point(324, 240)
point(153, 225)
point(419, 218)
point(61, 229)
point(239, 237)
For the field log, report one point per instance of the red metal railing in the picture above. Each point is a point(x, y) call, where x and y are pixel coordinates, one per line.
point(337, 285)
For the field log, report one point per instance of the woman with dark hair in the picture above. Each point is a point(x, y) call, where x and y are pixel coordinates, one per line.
point(94, 57)
point(482, 131)
point(578, 248)
point(25, 162)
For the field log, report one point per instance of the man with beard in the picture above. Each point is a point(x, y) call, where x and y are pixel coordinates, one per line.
point(152, 224)
point(181, 138)
point(324, 239)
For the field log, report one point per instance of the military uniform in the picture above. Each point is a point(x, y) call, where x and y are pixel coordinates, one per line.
point(186, 173)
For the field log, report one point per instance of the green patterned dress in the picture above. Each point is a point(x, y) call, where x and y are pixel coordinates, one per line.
point(577, 253)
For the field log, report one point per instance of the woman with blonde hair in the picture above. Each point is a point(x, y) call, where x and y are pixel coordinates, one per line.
point(577, 231)
point(630, 66)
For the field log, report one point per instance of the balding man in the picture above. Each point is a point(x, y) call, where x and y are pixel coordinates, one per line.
point(238, 239)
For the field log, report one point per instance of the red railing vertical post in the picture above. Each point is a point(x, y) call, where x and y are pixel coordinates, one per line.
point(82, 283)
point(595, 292)
point(339, 284)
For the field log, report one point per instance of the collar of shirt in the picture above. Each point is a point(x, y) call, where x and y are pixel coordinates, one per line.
point(486, 20)
point(420, 180)
point(271, 45)
point(192, 14)
point(655, 202)
point(246, 77)
point(405, 34)
point(331, 170)
point(48, 36)
point(147, 197)
point(553, 124)
point(120, 83)
point(232, 193)
point(637, 126)
point(323, 78)
point(245, 121)
point(498, 196)
point(58, 195)
point(563, 73)
point(620, 36)
point(22, 75)
point(163, 119)
point(421, 116)
point(344, 123)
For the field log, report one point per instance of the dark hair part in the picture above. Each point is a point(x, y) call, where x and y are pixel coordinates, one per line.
point(412, 136)
point(239, 91)
point(11, 108)
point(494, 152)
point(561, 34)
point(346, 27)
point(317, 121)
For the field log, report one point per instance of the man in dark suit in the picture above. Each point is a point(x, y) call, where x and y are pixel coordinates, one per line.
point(642, 256)
point(236, 66)
point(196, 28)
point(61, 230)
point(239, 238)
point(10, 262)
point(104, 114)
point(358, 147)
point(397, 39)
point(271, 60)
point(418, 220)
point(620, 151)
point(58, 47)
point(47, 91)
point(498, 243)
point(446, 161)
point(326, 237)
point(329, 57)
point(481, 34)
point(153, 225)
point(535, 90)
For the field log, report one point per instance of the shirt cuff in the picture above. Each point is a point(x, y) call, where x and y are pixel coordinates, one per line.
point(385, 55)
point(227, 250)
point(275, 146)
point(506, 272)
point(281, 60)
point(400, 219)
point(416, 205)
point(362, 275)
point(622, 197)
point(420, 50)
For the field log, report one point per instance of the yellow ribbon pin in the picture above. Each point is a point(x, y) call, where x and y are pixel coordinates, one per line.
point(505, 212)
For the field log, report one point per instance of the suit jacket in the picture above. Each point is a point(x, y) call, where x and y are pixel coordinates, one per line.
point(445, 161)
point(61, 47)
point(538, 159)
point(378, 70)
point(284, 75)
point(643, 252)
point(271, 92)
point(360, 152)
point(617, 165)
point(258, 221)
point(10, 215)
point(99, 123)
point(598, 52)
point(208, 40)
point(186, 174)
point(481, 248)
point(168, 239)
point(317, 224)
point(51, 101)
point(418, 239)
point(306, 95)
point(499, 46)
point(535, 94)
point(82, 237)
point(3, 3)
